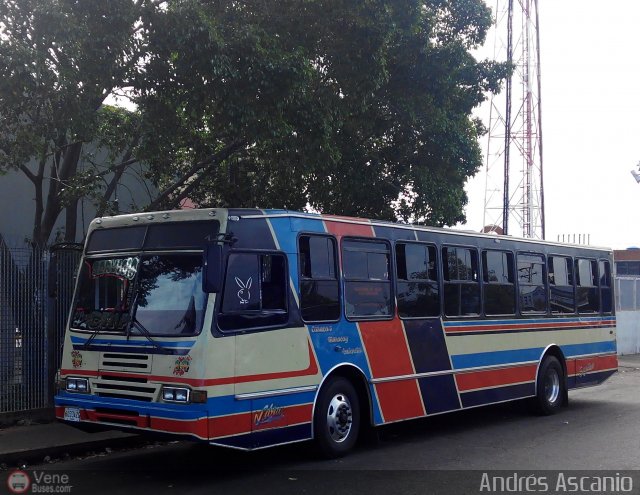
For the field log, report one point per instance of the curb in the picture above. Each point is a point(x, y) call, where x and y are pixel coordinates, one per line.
point(36, 456)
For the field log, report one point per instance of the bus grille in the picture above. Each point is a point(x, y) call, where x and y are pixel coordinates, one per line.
point(125, 388)
point(132, 363)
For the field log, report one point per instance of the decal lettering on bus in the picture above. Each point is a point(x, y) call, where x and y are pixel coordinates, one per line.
point(268, 414)
point(125, 267)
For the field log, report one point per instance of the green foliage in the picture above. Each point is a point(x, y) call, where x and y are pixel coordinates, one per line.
point(351, 107)
point(357, 107)
point(59, 60)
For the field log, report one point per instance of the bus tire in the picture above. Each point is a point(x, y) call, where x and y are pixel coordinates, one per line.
point(336, 420)
point(551, 389)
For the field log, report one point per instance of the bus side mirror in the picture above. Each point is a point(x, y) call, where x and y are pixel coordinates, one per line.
point(212, 268)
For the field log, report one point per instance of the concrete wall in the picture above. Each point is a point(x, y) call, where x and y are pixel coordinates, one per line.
point(17, 203)
point(628, 333)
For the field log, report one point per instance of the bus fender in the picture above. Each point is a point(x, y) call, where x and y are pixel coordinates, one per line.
point(358, 378)
point(554, 350)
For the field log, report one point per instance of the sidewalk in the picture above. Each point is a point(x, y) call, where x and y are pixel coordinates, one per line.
point(629, 361)
point(31, 444)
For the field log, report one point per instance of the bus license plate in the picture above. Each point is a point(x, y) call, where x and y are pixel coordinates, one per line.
point(71, 414)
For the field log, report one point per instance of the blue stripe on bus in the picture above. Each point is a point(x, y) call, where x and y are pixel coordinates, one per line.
point(427, 345)
point(215, 406)
point(439, 394)
point(476, 360)
point(265, 438)
point(185, 344)
point(133, 350)
point(282, 229)
point(159, 410)
point(308, 225)
point(499, 394)
point(463, 361)
point(228, 404)
point(570, 350)
point(513, 321)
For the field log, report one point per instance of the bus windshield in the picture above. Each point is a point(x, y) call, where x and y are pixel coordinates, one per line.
point(166, 290)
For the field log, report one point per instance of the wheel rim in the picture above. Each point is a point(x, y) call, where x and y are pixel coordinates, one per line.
point(339, 418)
point(552, 386)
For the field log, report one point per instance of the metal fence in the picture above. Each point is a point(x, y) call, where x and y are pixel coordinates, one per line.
point(36, 287)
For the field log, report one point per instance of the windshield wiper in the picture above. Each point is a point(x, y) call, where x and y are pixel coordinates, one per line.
point(87, 344)
point(141, 328)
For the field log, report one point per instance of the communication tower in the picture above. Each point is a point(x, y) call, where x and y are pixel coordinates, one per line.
point(514, 192)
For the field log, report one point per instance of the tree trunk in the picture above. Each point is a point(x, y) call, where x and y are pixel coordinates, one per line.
point(54, 206)
point(71, 221)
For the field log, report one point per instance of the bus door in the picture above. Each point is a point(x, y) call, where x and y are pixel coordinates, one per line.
point(269, 357)
point(267, 363)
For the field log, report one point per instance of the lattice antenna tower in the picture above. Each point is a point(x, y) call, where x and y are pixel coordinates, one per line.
point(514, 192)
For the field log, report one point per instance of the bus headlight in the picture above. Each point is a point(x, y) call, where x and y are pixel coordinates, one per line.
point(79, 385)
point(175, 394)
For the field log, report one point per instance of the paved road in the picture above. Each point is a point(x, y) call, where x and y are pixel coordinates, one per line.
point(599, 430)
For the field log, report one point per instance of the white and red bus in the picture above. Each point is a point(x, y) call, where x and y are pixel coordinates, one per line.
point(251, 328)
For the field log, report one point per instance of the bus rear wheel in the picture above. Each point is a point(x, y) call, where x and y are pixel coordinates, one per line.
point(336, 420)
point(551, 389)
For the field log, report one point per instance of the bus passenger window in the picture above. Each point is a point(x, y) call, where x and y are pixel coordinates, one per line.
point(255, 291)
point(499, 283)
point(532, 283)
point(367, 286)
point(605, 285)
point(461, 281)
point(319, 287)
point(587, 286)
point(562, 298)
point(418, 290)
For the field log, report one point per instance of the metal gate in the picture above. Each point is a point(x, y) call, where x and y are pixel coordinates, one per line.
point(36, 286)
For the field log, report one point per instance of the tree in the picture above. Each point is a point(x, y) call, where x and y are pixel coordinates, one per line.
point(59, 60)
point(351, 107)
point(346, 106)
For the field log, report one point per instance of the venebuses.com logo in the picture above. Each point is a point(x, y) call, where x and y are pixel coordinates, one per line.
point(38, 482)
point(18, 482)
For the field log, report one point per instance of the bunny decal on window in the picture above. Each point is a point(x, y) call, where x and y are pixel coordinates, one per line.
point(244, 293)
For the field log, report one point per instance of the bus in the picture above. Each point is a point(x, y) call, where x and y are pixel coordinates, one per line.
point(250, 328)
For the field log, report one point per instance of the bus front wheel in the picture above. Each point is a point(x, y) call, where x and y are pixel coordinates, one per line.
point(336, 419)
point(551, 388)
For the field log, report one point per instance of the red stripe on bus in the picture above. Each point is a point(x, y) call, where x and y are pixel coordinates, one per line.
point(238, 424)
point(387, 348)
point(399, 400)
point(591, 364)
point(495, 378)
point(311, 370)
point(340, 229)
point(199, 427)
point(608, 362)
point(479, 328)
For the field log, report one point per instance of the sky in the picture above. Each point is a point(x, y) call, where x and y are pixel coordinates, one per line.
point(590, 68)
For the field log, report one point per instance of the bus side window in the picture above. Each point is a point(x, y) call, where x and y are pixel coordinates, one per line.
point(461, 281)
point(562, 297)
point(532, 283)
point(418, 290)
point(499, 283)
point(255, 291)
point(587, 286)
point(605, 285)
point(319, 286)
point(367, 286)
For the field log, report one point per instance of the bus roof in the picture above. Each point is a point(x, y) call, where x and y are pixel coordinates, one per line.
point(221, 214)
